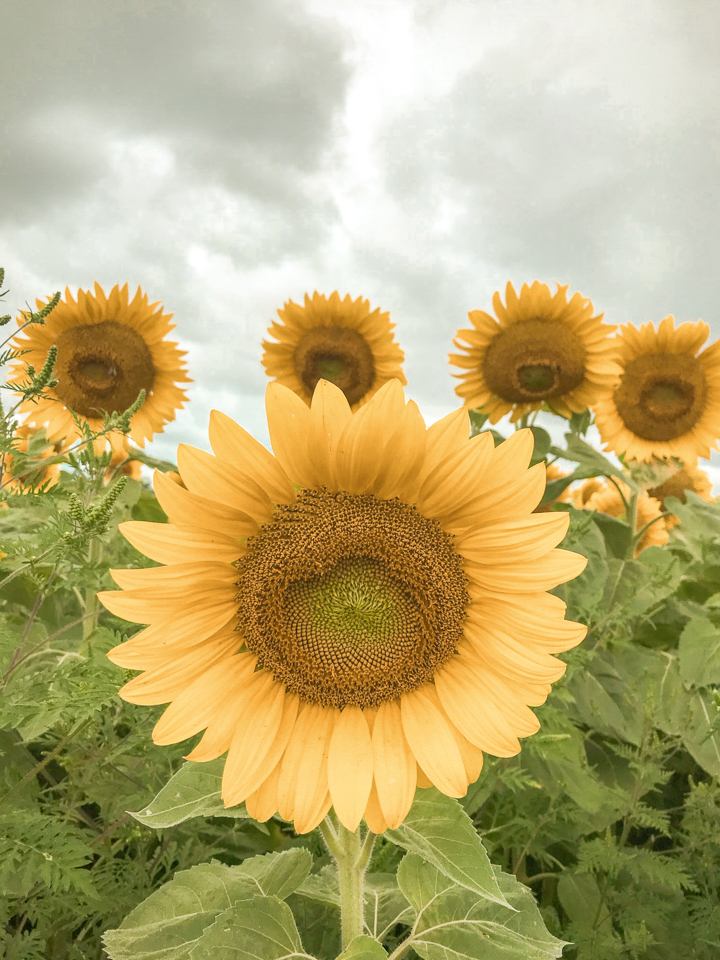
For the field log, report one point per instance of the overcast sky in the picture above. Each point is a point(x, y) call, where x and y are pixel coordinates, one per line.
point(231, 154)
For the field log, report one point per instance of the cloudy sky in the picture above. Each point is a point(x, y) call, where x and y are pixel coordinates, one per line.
point(232, 154)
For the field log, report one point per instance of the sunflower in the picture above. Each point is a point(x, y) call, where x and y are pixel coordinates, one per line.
point(668, 400)
point(37, 479)
point(604, 496)
point(688, 478)
point(363, 612)
point(109, 348)
point(542, 350)
point(336, 340)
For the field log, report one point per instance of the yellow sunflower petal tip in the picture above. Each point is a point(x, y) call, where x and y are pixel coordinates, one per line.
point(381, 630)
point(342, 341)
point(542, 349)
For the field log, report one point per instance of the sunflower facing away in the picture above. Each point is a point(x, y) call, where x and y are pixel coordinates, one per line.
point(541, 350)
point(668, 400)
point(688, 479)
point(336, 340)
point(109, 348)
point(361, 613)
point(602, 495)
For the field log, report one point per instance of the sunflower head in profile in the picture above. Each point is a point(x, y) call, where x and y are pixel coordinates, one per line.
point(668, 400)
point(109, 349)
point(341, 341)
point(542, 350)
point(688, 479)
point(359, 614)
point(605, 497)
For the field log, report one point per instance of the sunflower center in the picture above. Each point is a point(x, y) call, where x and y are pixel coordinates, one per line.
point(350, 599)
point(661, 395)
point(102, 367)
point(534, 360)
point(338, 354)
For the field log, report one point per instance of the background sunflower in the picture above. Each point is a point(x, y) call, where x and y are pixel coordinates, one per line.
point(109, 348)
point(341, 341)
point(668, 400)
point(541, 350)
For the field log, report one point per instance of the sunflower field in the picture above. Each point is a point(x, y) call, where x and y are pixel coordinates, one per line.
point(384, 690)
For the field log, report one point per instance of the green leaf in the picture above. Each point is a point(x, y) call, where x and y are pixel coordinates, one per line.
point(262, 928)
point(363, 948)
point(438, 829)
point(581, 900)
point(172, 920)
point(699, 653)
point(322, 887)
point(592, 462)
point(194, 791)
point(616, 533)
point(702, 736)
point(477, 421)
point(453, 921)
point(543, 442)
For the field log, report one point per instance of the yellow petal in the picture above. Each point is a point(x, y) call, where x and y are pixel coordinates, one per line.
point(432, 742)
point(186, 508)
point(196, 706)
point(259, 741)
point(475, 716)
point(167, 680)
point(234, 445)
point(312, 779)
point(444, 437)
point(520, 494)
point(458, 478)
point(329, 415)
point(210, 598)
point(263, 804)
point(373, 813)
point(350, 767)
point(508, 656)
point(402, 457)
point(177, 575)
point(395, 767)
point(555, 567)
point(207, 476)
point(289, 427)
point(168, 543)
point(509, 540)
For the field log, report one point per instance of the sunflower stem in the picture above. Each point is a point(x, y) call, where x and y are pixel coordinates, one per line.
point(351, 853)
point(92, 606)
point(632, 521)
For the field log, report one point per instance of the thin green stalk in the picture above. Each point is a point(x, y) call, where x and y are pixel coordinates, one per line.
point(632, 521)
point(351, 852)
point(92, 606)
point(43, 763)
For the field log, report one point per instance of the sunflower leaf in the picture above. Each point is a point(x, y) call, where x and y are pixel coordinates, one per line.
point(438, 829)
point(363, 948)
point(173, 921)
point(194, 791)
point(261, 928)
point(699, 653)
point(592, 462)
point(454, 921)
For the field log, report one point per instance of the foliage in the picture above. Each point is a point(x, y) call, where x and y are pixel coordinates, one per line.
point(601, 840)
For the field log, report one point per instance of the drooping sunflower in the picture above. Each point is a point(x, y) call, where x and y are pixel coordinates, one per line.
point(337, 340)
point(542, 349)
point(688, 479)
point(604, 496)
point(668, 400)
point(40, 478)
point(363, 612)
point(109, 348)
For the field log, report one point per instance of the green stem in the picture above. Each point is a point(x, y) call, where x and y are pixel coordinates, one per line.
point(351, 852)
point(632, 521)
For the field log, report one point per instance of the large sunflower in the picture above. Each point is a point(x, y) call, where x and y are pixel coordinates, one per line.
point(359, 614)
point(337, 340)
point(109, 348)
point(668, 400)
point(542, 349)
